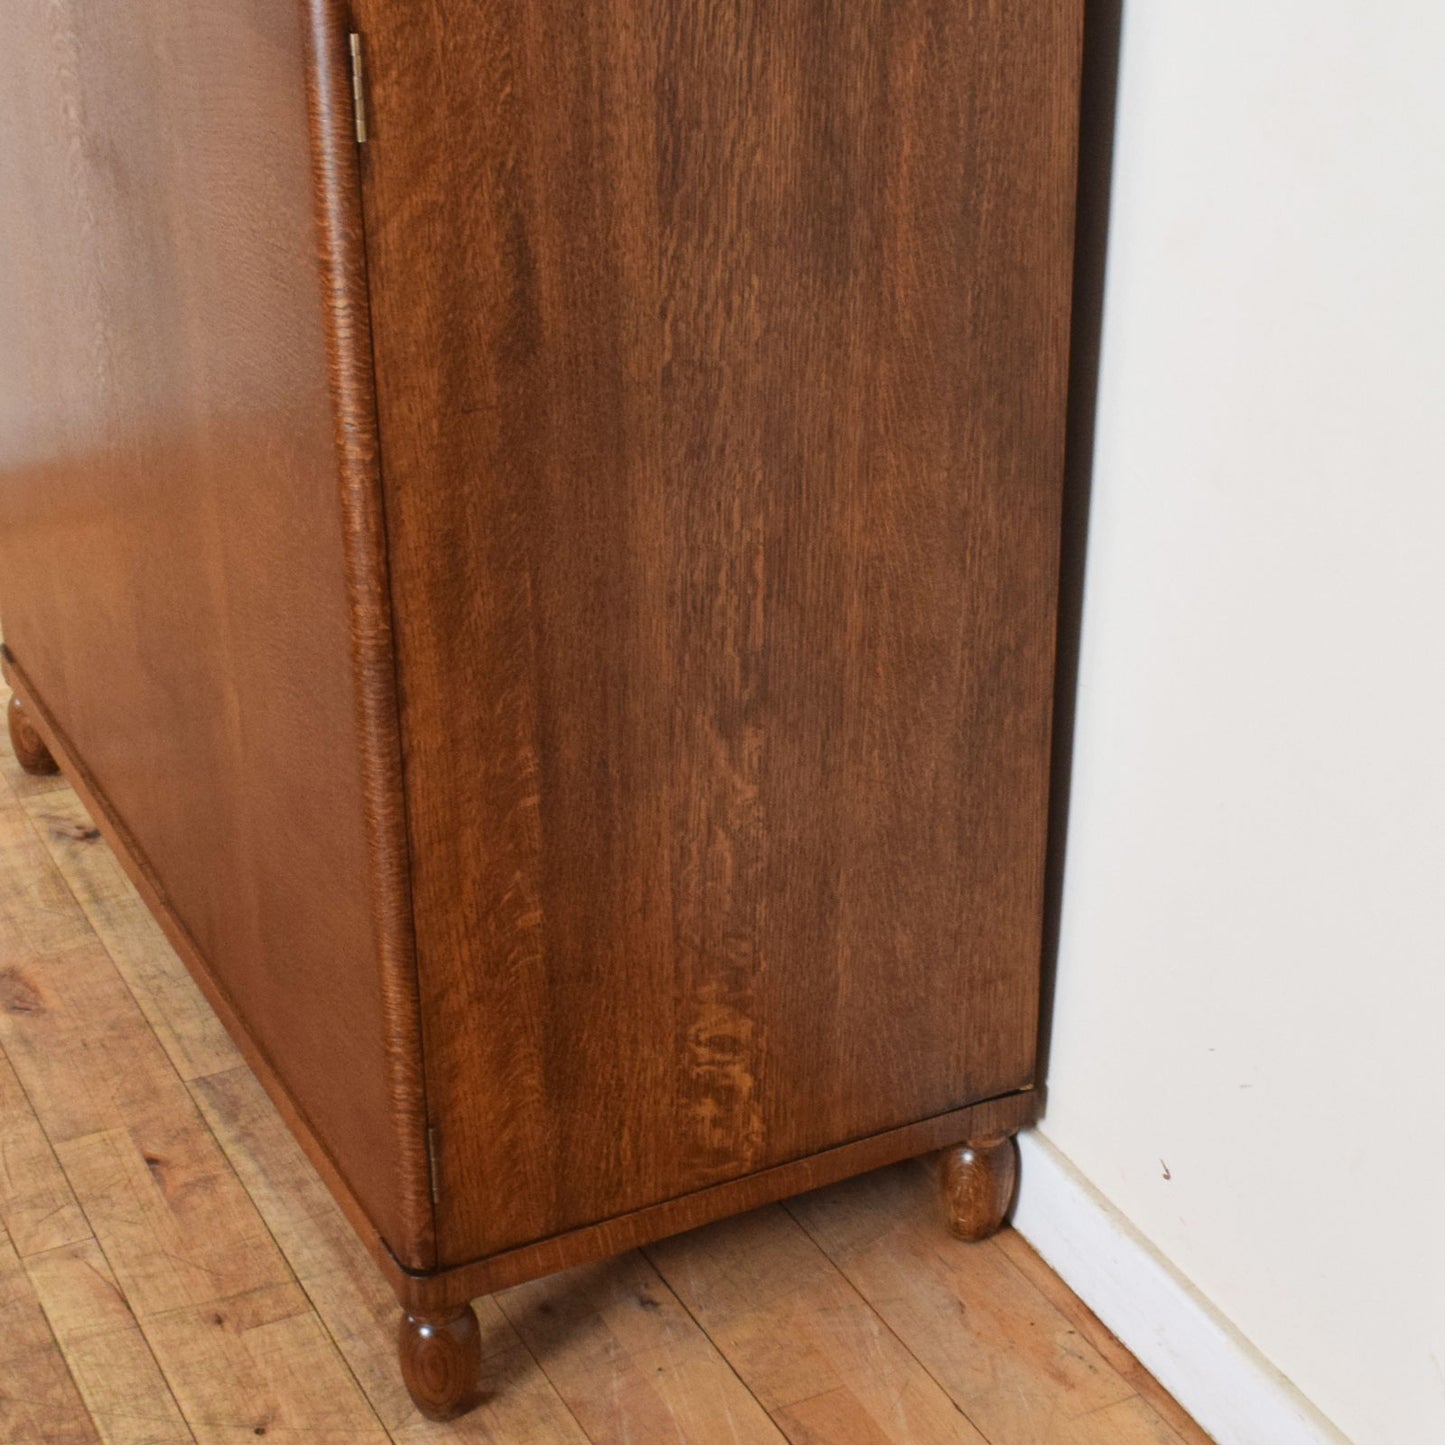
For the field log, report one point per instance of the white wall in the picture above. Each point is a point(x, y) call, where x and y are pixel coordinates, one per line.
point(1252, 966)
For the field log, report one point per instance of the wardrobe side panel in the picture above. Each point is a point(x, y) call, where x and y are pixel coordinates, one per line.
point(171, 555)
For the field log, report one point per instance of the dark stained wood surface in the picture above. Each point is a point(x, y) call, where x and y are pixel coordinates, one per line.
point(977, 1181)
point(441, 1362)
point(721, 360)
point(174, 580)
point(327, 57)
point(427, 1293)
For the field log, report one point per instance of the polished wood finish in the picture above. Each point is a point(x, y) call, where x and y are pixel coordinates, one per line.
point(432, 1292)
point(977, 1182)
point(174, 541)
point(626, 1231)
point(724, 593)
point(347, 317)
point(555, 608)
point(441, 1361)
point(27, 744)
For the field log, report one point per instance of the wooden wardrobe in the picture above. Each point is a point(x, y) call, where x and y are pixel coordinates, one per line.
point(533, 527)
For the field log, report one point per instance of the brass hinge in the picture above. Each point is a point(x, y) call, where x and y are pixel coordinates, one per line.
point(432, 1153)
point(358, 88)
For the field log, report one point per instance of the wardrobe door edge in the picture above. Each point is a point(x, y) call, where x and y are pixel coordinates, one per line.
point(342, 253)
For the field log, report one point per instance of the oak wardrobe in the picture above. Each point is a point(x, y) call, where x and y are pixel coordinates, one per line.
point(533, 527)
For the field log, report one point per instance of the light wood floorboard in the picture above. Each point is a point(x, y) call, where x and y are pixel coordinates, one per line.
point(172, 1269)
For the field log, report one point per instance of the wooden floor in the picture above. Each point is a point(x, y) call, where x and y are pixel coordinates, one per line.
point(172, 1269)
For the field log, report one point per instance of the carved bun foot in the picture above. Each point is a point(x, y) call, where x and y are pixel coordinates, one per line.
point(30, 752)
point(977, 1181)
point(441, 1362)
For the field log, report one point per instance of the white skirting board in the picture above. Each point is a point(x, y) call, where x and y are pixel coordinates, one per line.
point(1233, 1392)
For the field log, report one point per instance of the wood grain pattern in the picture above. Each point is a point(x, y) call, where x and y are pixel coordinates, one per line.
point(721, 358)
point(105, 1349)
point(441, 1361)
point(173, 565)
point(620, 798)
point(806, 1343)
point(631, 1362)
point(37, 1208)
point(753, 1309)
point(970, 1318)
point(435, 1292)
point(38, 1397)
point(349, 358)
point(977, 1182)
point(427, 1292)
